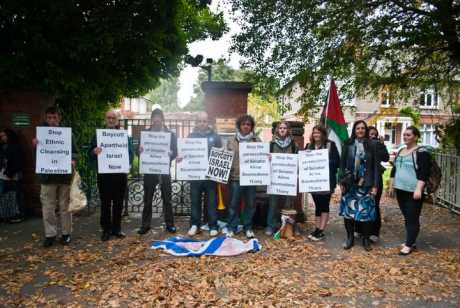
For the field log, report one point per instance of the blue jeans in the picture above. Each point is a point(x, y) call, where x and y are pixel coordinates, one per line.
point(196, 190)
point(248, 193)
point(276, 202)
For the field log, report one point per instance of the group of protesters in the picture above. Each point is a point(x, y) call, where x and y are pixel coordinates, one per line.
point(357, 171)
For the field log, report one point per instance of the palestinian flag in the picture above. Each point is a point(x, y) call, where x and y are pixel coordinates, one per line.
point(332, 118)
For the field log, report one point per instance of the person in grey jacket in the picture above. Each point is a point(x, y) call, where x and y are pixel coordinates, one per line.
point(164, 180)
point(197, 188)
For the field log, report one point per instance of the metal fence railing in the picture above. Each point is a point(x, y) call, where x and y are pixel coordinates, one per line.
point(449, 191)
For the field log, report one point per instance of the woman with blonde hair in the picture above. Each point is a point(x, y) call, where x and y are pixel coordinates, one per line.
point(282, 142)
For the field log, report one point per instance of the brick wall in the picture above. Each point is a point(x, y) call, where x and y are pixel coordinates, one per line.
point(32, 104)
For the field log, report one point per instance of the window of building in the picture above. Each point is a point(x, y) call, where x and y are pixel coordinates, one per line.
point(142, 106)
point(428, 132)
point(429, 99)
point(134, 105)
point(387, 99)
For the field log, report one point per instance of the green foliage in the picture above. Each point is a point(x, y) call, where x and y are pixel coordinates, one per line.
point(411, 113)
point(264, 110)
point(98, 50)
point(403, 45)
point(166, 94)
point(450, 132)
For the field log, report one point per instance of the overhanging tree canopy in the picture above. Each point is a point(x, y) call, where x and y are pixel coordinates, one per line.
point(403, 45)
point(98, 50)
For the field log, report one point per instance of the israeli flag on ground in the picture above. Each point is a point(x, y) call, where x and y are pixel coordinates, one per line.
point(217, 246)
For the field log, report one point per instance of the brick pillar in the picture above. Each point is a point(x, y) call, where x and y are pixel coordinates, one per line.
point(23, 111)
point(225, 99)
point(297, 131)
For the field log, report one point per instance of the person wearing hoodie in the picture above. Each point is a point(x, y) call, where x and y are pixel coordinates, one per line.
point(245, 126)
point(157, 121)
point(112, 186)
point(55, 190)
point(282, 143)
point(209, 188)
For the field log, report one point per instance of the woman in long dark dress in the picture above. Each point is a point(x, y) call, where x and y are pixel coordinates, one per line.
point(359, 179)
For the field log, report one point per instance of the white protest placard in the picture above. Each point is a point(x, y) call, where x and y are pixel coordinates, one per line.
point(114, 157)
point(283, 175)
point(254, 164)
point(194, 163)
point(314, 171)
point(54, 150)
point(219, 165)
point(154, 159)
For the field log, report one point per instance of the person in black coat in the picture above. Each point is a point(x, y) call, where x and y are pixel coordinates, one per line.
point(318, 140)
point(11, 168)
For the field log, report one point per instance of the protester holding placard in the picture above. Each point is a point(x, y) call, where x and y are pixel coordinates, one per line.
point(209, 188)
point(318, 140)
point(282, 142)
point(55, 190)
point(112, 186)
point(360, 173)
point(164, 180)
point(245, 126)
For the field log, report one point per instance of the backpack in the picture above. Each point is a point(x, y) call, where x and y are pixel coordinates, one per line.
point(434, 179)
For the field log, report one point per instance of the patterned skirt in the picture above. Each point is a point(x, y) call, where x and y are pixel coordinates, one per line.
point(358, 205)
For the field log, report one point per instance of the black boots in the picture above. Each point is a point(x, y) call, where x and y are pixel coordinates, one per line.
point(350, 227)
point(366, 229)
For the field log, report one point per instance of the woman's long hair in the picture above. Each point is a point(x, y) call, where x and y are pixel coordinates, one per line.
point(353, 131)
point(13, 138)
point(323, 132)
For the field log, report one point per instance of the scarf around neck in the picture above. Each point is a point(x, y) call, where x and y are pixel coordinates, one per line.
point(283, 143)
point(246, 138)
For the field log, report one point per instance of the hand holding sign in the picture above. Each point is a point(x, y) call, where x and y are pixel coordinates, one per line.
point(114, 154)
point(254, 164)
point(314, 171)
point(54, 151)
point(219, 165)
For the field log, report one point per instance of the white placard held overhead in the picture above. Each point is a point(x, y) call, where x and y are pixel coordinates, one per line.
point(219, 165)
point(194, 163)
point(254, 164)
point(314, 171)
point(114, 157)
point(283, 175)
point(54, 150)
point(155, 159)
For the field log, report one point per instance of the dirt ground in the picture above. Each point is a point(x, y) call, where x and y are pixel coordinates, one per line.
point(297, 273)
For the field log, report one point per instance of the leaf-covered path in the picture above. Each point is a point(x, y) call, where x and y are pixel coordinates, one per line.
point(126, 273)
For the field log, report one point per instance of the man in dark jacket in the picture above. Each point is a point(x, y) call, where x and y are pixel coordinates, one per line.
point(112, 186)
point(197, 188)
point(164, 180)
point(55, 190)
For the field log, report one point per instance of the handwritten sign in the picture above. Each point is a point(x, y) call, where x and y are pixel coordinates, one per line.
point(254, 164)
point(314, 171)
point(114, 157)
point(54, 150)
point(154, 159)
point(194, 163)
point(219, 165)
point(283, 175)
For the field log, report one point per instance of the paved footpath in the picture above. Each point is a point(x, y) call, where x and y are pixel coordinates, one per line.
point(297, 273)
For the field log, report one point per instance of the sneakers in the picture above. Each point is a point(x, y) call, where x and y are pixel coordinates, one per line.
point(374, 238)
point(193, 230)
point(171, 229)
point(205, 227)
point(213, 232)
point(49, 241)
point(249, 234)
point(316, 235)
point(268, 231)
point(228, 233)
point(65, 240)
point(119, 234)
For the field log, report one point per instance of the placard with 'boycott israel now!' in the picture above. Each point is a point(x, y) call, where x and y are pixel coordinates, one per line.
point(219, 165)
